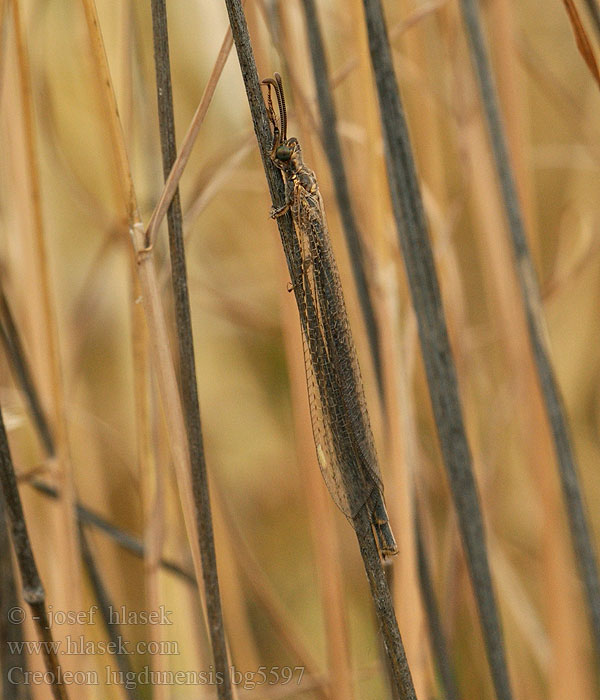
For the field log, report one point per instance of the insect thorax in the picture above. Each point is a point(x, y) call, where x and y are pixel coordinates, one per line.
point(296, 171)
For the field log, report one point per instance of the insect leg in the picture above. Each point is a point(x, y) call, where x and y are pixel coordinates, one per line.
point(276, 212)
point(380, 524)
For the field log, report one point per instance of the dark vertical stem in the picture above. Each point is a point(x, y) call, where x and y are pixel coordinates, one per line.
point(435, 347)
point(188, 386)
point(384, 607)
point(10, 630)
point(380, 592)
point(333, 150)
point(32, 589)
point(258, 111)
point(434, 623)
point(594, 10)
point(10, 337)
point(105, 605)
point(580, 534)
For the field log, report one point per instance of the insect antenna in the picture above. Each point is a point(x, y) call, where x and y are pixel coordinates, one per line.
point(282, 108)
point(271, 83)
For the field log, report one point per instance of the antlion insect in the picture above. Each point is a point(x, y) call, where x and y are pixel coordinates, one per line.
point(340, 422)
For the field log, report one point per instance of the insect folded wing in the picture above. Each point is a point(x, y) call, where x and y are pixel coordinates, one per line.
point(341, 428)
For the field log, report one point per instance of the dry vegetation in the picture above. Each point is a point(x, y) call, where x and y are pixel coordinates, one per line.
point(293, 590)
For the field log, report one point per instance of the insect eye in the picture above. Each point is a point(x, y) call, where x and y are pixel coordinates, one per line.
point(283, 153)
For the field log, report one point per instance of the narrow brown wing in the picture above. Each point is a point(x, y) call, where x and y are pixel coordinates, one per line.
point(341, 428)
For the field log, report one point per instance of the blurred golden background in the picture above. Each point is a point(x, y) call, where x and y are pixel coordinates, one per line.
point(293, 589)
